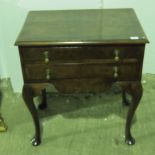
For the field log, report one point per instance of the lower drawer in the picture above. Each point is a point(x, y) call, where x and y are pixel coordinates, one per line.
point(112, 72)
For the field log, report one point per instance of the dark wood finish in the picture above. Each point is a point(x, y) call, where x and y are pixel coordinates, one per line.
point(80, 71)
point(58, 53)
point(82, 51)
point(28, 94)
point(81, 27)
point(135, 90)
point(43, 104)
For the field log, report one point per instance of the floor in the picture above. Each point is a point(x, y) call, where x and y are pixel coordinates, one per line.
point(79, 125)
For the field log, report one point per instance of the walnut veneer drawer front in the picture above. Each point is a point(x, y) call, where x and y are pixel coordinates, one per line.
point(42, 54)
point(106, 71)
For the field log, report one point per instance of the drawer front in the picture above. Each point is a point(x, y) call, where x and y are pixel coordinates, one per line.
point(49, 54)
point(110, 72)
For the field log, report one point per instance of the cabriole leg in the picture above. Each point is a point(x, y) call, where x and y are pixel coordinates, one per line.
point(28, 95)
point(135, 90)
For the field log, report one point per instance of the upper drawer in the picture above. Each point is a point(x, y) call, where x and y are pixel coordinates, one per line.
point(45, 54)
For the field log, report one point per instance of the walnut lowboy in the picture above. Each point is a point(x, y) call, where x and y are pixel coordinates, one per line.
point(86, 66)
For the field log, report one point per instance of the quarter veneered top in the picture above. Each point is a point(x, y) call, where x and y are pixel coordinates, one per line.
point(96, 26)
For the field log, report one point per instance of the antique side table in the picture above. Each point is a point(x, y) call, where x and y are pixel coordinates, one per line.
point(82, 51)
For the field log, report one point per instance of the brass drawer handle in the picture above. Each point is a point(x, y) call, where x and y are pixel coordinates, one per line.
point(46, 56)
point(116, 52)
point(48, 74)
point(115, 72)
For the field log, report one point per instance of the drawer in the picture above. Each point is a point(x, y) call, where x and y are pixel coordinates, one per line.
point(112, 72)
point(48, 54)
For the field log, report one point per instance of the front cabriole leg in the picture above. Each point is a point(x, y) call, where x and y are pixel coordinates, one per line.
point(28, 95)
point(135, 90)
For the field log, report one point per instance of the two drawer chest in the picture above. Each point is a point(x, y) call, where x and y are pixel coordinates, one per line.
point(82, 51)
